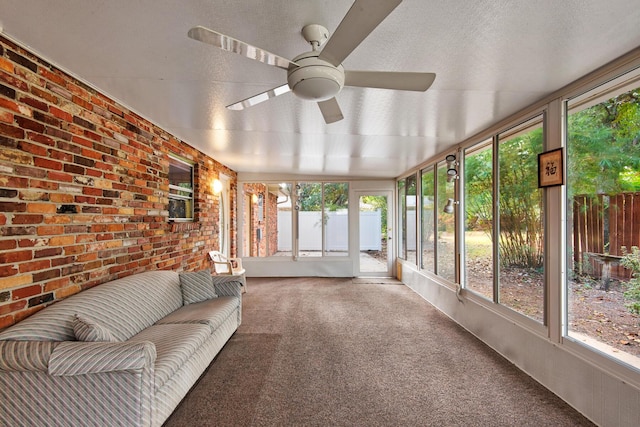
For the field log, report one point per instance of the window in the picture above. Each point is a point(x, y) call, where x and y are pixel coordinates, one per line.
point(323, 221)
point(428, 220)
point(402, 219)
point(513, 216)
point(320, 211)
point(411, 218)
point(336, 210)
point(478, 218)
point(180, 190)
point(520, 226)
point(446, 225)
point(603, 207)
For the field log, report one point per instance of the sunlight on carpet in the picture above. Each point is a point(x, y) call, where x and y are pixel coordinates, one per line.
point(376, 281)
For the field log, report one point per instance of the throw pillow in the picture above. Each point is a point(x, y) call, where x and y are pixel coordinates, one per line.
point(87, 329)
point(197, 286)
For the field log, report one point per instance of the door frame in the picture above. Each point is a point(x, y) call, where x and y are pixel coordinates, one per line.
point(389, 194)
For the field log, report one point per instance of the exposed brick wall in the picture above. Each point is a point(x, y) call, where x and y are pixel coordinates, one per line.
point(267, 223)
point(272, 215)
point(84, 190)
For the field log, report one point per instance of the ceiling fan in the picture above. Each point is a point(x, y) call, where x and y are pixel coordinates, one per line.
point(318, 75)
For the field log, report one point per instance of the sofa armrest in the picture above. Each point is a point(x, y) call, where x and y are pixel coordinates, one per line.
point(22, 356)
point(83, 384)
point(78, 358)
point(228, 285)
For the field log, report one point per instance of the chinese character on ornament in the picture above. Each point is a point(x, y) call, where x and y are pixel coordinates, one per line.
point(551, 169)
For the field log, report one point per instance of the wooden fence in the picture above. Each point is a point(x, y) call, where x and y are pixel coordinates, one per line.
point(602, 225)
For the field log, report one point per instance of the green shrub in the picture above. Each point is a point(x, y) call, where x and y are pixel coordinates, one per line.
point(631, 260)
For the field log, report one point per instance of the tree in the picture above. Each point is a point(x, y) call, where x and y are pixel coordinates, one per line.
point(604, 146)
point(520, 200)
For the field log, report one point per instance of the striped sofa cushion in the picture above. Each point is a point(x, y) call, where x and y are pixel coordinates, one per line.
point(126, 305)
point(175, 344)
point(211, 312)
point(197, 286)
point(87, 329)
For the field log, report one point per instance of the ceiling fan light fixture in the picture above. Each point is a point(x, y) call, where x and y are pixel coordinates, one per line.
point(314, 79)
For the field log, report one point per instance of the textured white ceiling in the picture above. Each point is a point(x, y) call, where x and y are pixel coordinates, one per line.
point(491, 58)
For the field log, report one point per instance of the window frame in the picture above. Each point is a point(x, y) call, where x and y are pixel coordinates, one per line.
point(179, 197)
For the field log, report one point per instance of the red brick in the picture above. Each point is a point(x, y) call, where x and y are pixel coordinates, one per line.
point(61, 114)
point(55, 284)
point(51, 76)
point(60, 155)
point(17, 231)
point(92, 191)
point(6, 116)
point(91, 153)
point(11, 105)
point(46, 275)
point(13, 207)
point(116, 110)
point(8, 244)
point(6, 65)
point(47, 163)
point(29, 124)
point(47, 96)
point(60, 176)
point(5, 321)
point(47, 252)
point(8, 308)
point(16, 256)
point(11, 131)
point(41, 208)
point(8, 270)
point(93, 172)
point(27, 267)
point(49, 230)
point(38, 150)
point(41, 138)
point(61, 198)
point(57, 262)
point(14, 81)
point(27, 219)
point(34, 103)
point(48, 185)
point(77, 90)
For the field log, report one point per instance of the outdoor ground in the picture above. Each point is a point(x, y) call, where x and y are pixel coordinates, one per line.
point(594, 312)
point(597, 313)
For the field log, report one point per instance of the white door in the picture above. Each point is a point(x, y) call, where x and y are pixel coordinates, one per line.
point(224, 216)
point(374, 224)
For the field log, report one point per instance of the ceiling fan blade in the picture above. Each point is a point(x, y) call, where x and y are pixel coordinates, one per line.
point(330, 110)
point(261, 97)
point(230, 44)
point(363, 17)
point(389, 80)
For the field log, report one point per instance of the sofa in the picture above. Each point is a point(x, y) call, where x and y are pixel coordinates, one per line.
point(123, 353)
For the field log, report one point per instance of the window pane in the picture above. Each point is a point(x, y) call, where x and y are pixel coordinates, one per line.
point(310, 219)
point(336, 214)
point(402, 219)
point(254, 224)
point(428, 204)
point(603, 208)
point(446, 251)
point(180, 209)
point(180, 189)
point(521, 278)
point(283, 225)
point(478, 220)
point(411, 219)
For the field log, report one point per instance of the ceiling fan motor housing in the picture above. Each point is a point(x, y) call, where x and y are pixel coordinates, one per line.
point(313, 78)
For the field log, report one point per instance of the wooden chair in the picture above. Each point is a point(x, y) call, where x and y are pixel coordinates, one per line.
point(228, 266)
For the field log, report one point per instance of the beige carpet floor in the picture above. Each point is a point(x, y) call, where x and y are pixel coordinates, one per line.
point(343, 352)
